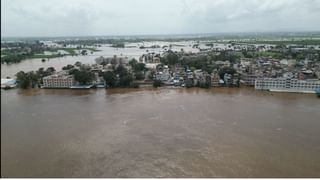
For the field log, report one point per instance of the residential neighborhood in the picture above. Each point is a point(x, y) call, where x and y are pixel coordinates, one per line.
point(214, 65)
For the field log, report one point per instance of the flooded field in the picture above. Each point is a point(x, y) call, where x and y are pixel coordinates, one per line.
point(105, 50)
point(146, 132)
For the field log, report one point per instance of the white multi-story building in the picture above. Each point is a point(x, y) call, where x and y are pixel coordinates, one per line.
point(249, 79)
point(215, 80)
point(287, 85)
point(58, 81)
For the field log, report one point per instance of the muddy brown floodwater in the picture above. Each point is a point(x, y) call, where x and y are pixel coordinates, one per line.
point(163, 132)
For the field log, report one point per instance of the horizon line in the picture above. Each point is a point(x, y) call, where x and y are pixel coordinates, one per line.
point(166, 34)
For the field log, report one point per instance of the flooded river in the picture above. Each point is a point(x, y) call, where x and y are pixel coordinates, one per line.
point(163, 132)
point(106, 51)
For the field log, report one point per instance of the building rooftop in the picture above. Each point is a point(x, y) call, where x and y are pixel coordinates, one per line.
point(61, 76)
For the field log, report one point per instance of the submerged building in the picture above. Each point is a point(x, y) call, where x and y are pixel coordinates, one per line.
point(8, 83)
point(287, 85)
point(249, 79)
point(215, 80)
point(59, 80)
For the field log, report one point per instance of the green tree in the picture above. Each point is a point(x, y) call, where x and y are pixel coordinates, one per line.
point(33, 78)
point(233, 58)
point(27, 79)
point(110, 78)
point(192, 68)
point(84, 52)
point(68, 67)
point(125, 77)
point(133, 62)
point(125, 80)
point(157, 83)
point(73, 71)
point(23, 80)
point(172, 58)
point(50, 70)
point(121, 70)
point(139, 76)
point(84, 76)
point(225, 70)
point(41, 73)
point(118, 45)
point(139, 67)
point(78, 64)
point(209, 68)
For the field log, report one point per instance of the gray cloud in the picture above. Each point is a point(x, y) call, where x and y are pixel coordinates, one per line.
point(121, 17)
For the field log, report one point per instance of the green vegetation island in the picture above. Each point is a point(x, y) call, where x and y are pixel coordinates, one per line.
point(15, 52)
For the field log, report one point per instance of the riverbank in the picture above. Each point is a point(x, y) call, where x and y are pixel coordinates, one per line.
point(150, 87)
point(219, 90)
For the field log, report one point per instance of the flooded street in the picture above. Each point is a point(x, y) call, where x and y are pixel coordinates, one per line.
point(146, 132)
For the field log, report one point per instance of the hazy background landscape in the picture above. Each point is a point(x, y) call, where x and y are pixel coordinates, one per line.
point(144, 17)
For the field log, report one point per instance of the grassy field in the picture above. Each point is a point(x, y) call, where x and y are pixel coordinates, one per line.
point(239, 54)
point(71, 51)
point(260, 54)
point(4, 52)
point(92, 49)
point(268, 53)
point(17, 56)
point(45, 56)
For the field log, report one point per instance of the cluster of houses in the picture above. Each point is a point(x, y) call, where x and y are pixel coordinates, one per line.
point(264, 73)
point(187, 78)
point(286, 75)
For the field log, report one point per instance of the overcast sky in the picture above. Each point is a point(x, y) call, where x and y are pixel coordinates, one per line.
point(141, 17)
